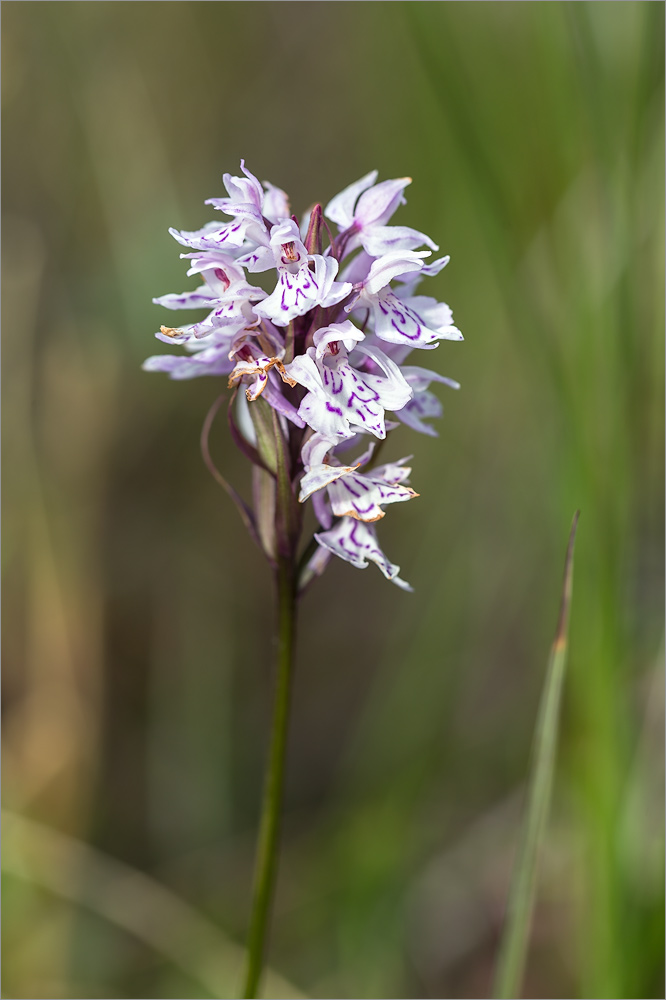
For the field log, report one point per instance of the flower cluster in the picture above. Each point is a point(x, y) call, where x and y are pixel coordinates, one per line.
point(323, 349)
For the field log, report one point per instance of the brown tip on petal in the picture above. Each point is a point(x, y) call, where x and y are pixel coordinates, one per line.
point(366, 520)
point(283, 375)
point(170, 331)
point(252, 392)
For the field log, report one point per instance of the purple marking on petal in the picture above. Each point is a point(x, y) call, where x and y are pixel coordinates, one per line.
point(352, 533)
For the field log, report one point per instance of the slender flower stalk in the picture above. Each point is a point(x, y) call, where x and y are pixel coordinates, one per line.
point(316, 371)
point(269, 830)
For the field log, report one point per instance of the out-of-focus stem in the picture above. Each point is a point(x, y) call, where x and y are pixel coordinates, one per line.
point(514, 943)
point(269, 830)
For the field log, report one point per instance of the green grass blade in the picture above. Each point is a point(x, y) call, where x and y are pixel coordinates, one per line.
point(513, 946)
point(131, 900)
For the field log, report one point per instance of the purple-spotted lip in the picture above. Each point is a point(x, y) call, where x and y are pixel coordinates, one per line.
point(290, 254)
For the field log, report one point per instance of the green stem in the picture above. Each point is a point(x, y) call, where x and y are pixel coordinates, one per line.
point(269, 830)
point(515, 936)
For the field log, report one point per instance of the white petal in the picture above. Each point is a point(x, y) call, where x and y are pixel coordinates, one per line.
point(212, 236)
point(322, 511)
point(377, 205)
point(420, 378)
point(394, 390)
point(424, 406)
point(305, 371)
point(319, 477)
point(356, 543)
point(362, 497)
point(186, 367)
point(390, 265)
point(379, 240)
point(244, 420)
point(200, 298)
point(340, 209)
point(260, 259)
point(330, 291)
point(345, 332)
point(341, 397)
point(275, 205)
point(357, 396)
point(398, 322)
point(294, 295)
point(393, 472)
point(315, 450)
point(286, 231)
point(210, 261)
point(317, 563)
point(324, 416)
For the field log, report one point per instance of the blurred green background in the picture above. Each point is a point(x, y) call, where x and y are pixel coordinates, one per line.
point(136, 676)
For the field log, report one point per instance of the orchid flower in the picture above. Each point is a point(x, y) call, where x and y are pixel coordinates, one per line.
point(304, 280)
point(356, 543)
point(342, 398)
point(362, 210)
point(415, 321)
point(423, 404)
point(352, 494)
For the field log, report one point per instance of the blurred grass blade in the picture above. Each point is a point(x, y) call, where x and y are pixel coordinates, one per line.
point(131, 900)
point(513, 946)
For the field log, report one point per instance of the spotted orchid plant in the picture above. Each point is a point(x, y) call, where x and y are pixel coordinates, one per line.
point(321, 359)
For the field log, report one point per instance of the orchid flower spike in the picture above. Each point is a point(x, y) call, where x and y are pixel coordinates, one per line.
point(313, 358)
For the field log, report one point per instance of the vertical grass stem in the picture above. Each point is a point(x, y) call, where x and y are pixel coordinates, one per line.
point(513, 946)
